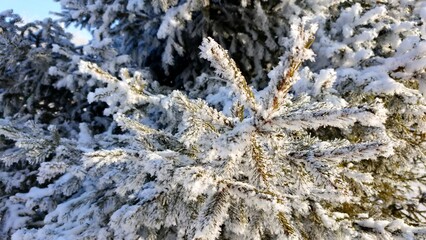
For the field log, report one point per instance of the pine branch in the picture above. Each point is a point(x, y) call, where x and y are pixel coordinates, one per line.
point(120, 95)
point(288, 228)
point(271, 200)
point(213, 215)
point(96, 72)
point(200, 109)
point(286, 81)
point(259, 162)
point(226, 67)
point(134, 126)
point(284, 75)
point(238, 111)
point(319, 115)
point(33, 145)
point(153, 139)
point(346, 151)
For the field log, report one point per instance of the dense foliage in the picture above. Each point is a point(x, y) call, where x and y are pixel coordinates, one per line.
point(215, 120)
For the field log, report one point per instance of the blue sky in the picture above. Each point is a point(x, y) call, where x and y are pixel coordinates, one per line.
point(31, 10)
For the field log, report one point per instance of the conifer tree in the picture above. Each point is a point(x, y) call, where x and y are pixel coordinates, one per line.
point(40, 77)
point(27, 53)
point(295, 120)
point(43, 99)
point(164, 35)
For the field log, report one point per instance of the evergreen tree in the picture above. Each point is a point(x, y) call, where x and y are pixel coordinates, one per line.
point(40, 77)
point(43, 99)
point(315, 131)
point(164, 35)
point(27, 52)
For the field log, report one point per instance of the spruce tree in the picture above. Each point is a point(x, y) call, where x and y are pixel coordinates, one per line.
point(164, 35)
point(293, 120)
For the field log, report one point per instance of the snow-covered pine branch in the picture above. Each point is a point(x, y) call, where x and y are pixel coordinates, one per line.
point(226, 68)
point(120, 95)
point(285, 74)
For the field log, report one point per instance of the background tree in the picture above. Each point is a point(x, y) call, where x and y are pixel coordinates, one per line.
point(43, 99)
point(27, 53)
point(164, 35)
